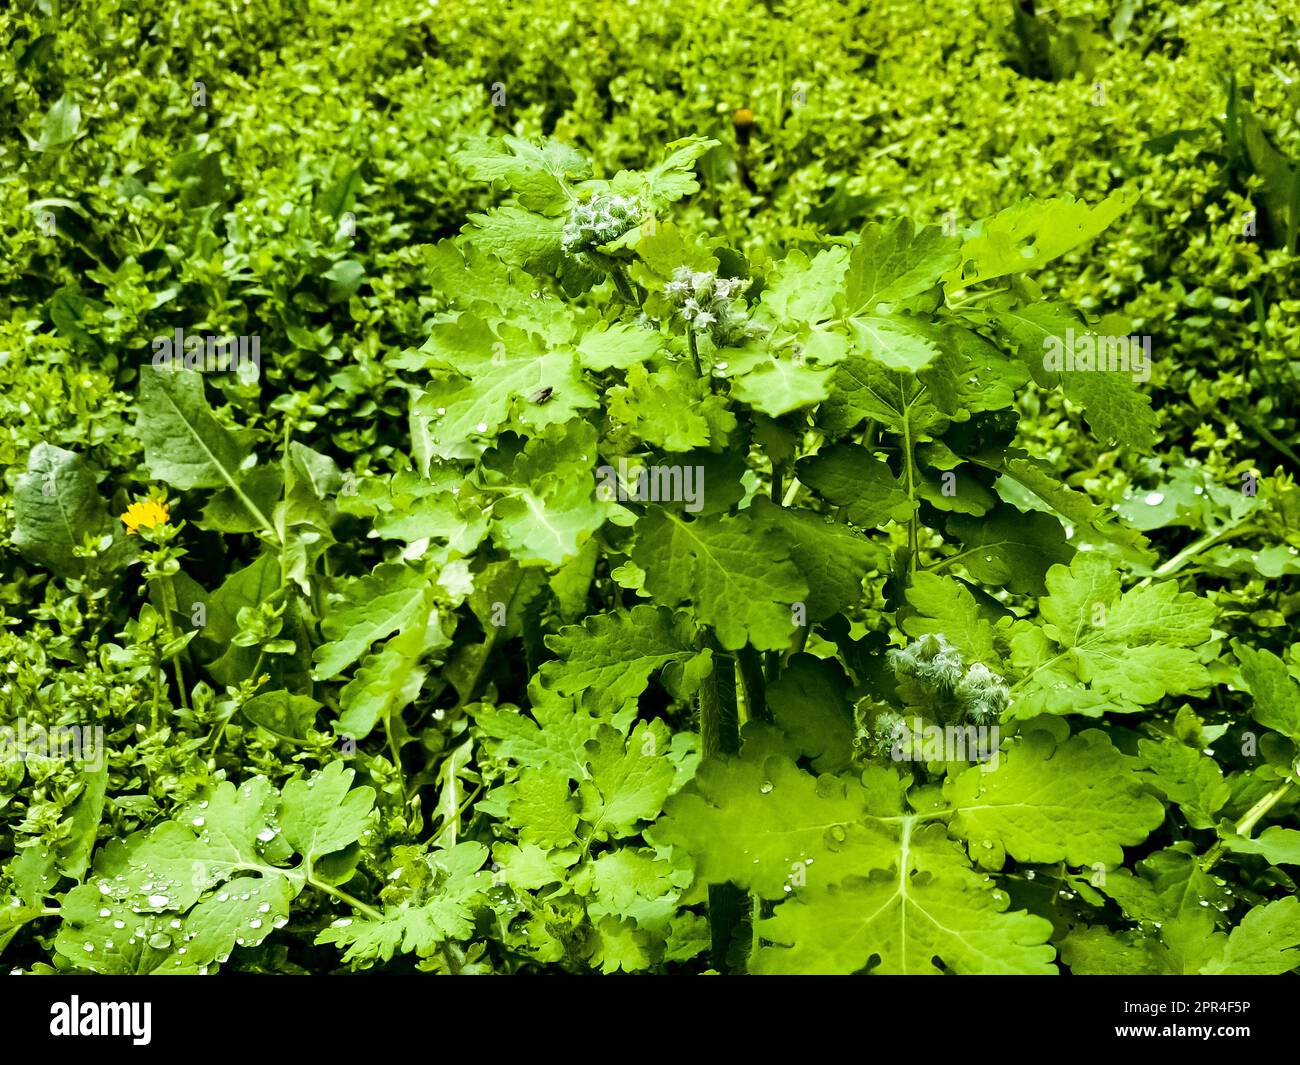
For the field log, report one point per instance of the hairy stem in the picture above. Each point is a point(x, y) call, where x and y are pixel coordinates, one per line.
point(720, 735)
point(624, 284)
point(755, 687)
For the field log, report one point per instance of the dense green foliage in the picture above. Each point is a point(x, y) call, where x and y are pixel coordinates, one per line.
point(395, 661)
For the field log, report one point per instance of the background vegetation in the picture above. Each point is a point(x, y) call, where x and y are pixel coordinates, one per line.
point(284, 170)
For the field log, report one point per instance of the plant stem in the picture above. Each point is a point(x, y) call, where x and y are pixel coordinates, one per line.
point(912, 522)
point(1174, 564)
point(1248, 822)
point(341, 895)
point(778, 483)
point(624, 284)
point(719, 724)
point(1272, 441)
point(751, 677)
point(945, 562)
point(695, 351)
point(720, 735)
point(792, 493)
point(394, 751)
point(167, 594)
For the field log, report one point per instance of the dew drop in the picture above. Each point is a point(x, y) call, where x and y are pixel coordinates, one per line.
point(765, 787)
point(1154, 499)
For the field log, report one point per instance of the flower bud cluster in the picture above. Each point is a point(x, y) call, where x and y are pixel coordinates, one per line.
point(888, 730)
point(933, 662)
point(708, 303)
point(983, 694)
point(599, 220)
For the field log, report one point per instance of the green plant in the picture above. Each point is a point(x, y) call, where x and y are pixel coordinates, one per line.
point(696, 567)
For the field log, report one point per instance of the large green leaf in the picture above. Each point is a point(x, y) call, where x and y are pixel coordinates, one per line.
point(739, 574)
point(57, 505)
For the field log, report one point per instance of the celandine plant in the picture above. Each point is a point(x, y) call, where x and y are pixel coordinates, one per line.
point(545, 718)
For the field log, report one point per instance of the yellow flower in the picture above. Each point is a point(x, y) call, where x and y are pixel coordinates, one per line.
point(146, 515)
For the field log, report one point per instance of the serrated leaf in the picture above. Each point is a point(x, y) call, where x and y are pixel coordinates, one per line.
point(1074, 506)
point(944, 606)
point(1266, 943)
point(420, 924)
point(388, 600)
point(849, 476)
point(670, 409)
point(1081, 802)
point(1275, 695)
point(282, 713)
point(619, 345)
point(1030, 235)
point(834, 559)
point(895, 261)
point(905, 922)
point(551, 508)
point(1009, 549)
point(809, 702)
point(761, 822)
point(495, 384)
point(1130, 650)
point(614, 655)
point(629, 779)
point(1187, 777)
point(325, 814)
point(739, 575)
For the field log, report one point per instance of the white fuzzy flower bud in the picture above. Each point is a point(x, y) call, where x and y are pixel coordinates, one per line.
point(983, 694)
point(598, 221)
point(932, 660)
